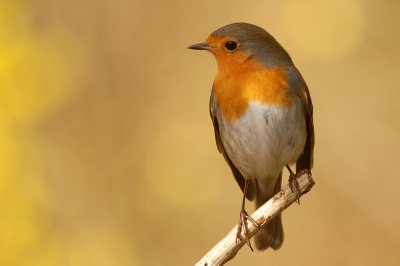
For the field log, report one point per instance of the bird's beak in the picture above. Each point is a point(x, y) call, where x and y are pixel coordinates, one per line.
point(201, 46)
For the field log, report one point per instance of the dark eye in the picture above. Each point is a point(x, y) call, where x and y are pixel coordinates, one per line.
point(231, 46)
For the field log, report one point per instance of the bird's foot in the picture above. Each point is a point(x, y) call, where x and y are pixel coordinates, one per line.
point(242, 226)
point(294, 185)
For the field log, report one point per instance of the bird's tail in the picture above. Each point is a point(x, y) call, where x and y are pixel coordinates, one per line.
point(270, 235)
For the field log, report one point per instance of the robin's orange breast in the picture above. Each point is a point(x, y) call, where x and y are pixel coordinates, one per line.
point(234, 89)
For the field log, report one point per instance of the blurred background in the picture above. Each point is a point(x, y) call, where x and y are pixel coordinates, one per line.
point(107, 153)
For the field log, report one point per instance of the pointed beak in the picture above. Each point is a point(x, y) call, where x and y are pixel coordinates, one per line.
point(201, 46)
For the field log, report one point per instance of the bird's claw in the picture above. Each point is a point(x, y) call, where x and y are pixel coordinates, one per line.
point(294, 184)
point(242, 226)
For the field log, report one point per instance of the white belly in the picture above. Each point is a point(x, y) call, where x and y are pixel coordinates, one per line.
point(264, 140)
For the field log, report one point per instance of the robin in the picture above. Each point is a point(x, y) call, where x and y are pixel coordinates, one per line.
point(262, 115)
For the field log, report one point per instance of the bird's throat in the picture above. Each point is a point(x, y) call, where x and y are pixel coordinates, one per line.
point(235, 89)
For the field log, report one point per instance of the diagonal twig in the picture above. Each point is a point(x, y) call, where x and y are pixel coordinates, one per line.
point(227, 248)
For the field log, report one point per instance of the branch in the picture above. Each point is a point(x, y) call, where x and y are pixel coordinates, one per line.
point(227, 248)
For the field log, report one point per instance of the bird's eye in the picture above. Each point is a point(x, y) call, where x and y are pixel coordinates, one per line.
point(231, 45)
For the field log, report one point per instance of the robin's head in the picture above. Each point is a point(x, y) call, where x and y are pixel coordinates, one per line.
point(238, 43)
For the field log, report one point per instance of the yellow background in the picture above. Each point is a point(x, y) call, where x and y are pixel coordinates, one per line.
point(107, 153)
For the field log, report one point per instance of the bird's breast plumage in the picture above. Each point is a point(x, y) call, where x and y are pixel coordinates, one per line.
point(262, 124)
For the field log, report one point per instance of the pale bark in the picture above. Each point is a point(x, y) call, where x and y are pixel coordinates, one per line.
point(227, 248)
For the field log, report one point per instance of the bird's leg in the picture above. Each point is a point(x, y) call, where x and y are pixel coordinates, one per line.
point(293, 181)
point(242, 224)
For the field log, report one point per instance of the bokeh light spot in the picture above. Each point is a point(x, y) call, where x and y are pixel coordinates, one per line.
point(9, 155)
point(182, 165)
point(51, 253)
point(37, 75)
point(20, 226)
point(101, 246)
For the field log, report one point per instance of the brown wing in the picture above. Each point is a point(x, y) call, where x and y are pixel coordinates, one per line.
point(238, 176)
point(306, 160)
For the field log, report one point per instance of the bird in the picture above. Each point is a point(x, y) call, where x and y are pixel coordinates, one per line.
point(262, 115)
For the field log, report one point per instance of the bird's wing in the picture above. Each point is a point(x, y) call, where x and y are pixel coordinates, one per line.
point(236, 173)
point(306, 160)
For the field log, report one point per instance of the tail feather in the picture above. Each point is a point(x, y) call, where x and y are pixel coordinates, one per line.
point(270, 235)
